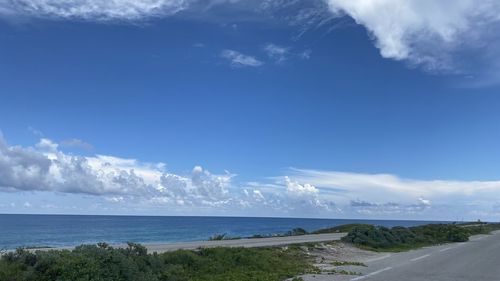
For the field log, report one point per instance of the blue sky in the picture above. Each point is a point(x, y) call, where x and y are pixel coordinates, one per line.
point(258, 108)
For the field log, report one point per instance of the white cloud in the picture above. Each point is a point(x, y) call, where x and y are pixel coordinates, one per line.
point(382, 184)
point(208, 185)
point(425, 32)
point(46, 144)
point(93, 9)
point(258, 195)
point(304, 15)
point(238, 59)
point(424, 202)
point(296, 189)
point(409, 196)
point(46, 168)
point(277, 53)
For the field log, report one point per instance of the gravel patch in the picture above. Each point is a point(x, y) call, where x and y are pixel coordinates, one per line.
point(337, 261)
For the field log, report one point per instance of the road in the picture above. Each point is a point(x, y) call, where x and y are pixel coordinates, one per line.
point(476, 260)
point(247, 243)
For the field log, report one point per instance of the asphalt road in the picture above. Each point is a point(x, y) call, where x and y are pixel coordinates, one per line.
point(247, 243)
point(476, 260)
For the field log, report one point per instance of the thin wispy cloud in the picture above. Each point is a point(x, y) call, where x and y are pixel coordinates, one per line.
point(94, 10)
point(277, 53)
point(305, 55)
point(372, 191)
point(238, 59)
point(77, 143)
point(378, 184)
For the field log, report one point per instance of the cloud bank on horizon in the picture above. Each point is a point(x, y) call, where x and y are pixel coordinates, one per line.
point(435, 35)
point(46, 169)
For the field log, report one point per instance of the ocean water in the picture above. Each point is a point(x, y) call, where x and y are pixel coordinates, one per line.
point(68, 230)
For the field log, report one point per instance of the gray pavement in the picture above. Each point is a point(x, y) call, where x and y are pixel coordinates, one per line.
point(476, 260)
point(247, 243)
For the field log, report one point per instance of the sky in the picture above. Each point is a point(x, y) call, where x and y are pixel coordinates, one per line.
point(379, 109)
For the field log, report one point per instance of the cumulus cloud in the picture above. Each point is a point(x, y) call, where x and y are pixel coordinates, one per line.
point(46, 168)
point(238, 59)
point(118, 181)
point(305, 195)
point(22, 169)
point(425, 32)
point(296, 189)
point(47, 145)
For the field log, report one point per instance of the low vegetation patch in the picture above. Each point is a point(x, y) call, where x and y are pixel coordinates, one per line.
point(401, 238)
point(338, 229)
point(294, 232)
point(348, 263)
point(104, 263)
point(220, 237)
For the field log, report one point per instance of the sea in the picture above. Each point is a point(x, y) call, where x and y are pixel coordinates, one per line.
point(72, 230)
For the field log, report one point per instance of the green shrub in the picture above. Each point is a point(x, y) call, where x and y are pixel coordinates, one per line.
point(339, 228)
point(401, 238)
point(104, 263)
point(296, 232)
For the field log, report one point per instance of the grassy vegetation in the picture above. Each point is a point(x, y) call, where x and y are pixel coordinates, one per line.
point(407, 235)
point(104, 263)
point(348, 263)
point(338, 229)
point(219, 237)
point(294, 232)
point(402, 238)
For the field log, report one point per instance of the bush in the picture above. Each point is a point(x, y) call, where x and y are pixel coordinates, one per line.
point(104, 263)
point(401, 238)
point(338, 229)
point(296, 232)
